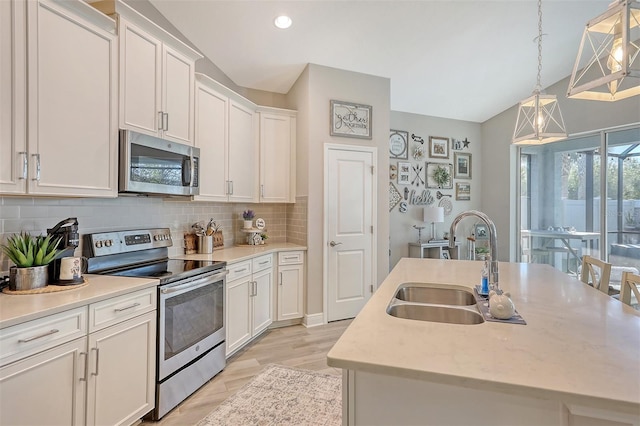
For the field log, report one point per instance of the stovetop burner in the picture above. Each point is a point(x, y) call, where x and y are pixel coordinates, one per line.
point(140, 253)
point(169, 270)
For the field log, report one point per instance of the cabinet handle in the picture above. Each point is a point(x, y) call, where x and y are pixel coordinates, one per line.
point(239, 270)
point(262, 190)
point(84, 379)
point(97, 360)
point(126, 307)
point(264, 263)
point(290, 257)
point(37, 178)
point(280, 278)
point(166, 121)
point(160, 120)
point(39, 336)
point(25, 164)
point(231, 191)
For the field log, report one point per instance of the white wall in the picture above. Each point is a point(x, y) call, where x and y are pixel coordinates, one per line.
point(499, 163)
point(401, 224)
point(311, 96)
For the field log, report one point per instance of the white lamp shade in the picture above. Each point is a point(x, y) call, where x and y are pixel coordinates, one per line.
point(433, 214)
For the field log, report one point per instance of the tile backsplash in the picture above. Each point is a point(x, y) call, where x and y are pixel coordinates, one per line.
point(35, 215)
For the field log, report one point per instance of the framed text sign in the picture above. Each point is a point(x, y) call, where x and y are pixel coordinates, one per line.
point(350, 120)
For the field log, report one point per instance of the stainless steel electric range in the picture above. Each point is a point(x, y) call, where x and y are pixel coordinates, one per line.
point(191, 330)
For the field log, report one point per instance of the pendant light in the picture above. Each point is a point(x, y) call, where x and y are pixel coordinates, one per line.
point(539, 118)
point(608, 65)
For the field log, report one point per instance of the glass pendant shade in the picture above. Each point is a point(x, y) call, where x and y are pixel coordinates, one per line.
point(608, 64)
point(539, 121)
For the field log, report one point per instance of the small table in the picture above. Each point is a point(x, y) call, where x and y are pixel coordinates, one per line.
point(565, 237)
point(433, 250)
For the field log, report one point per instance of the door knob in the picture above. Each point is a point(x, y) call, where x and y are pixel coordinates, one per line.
point(333, 244)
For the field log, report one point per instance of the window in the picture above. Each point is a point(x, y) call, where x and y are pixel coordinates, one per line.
point(563, 213)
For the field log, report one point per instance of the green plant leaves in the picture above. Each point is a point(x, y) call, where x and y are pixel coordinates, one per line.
point(27, 251)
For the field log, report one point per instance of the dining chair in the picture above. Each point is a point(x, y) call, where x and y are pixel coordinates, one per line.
point(596, 273)
point(630, 283)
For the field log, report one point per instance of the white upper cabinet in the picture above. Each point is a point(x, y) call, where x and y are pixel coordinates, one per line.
point(67, 144)
point(277, 155)
point(156, 77)
point(226, 135)
point(13, 141)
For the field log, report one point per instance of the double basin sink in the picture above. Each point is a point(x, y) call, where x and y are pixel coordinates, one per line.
point(436, 303)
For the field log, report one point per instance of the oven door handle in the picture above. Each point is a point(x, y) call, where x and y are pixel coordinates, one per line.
point(195, 283)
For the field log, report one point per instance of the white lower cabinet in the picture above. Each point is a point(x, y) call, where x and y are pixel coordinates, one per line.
point(48, 388)
point(53, 377)
point(248, 301)
point(290, 286)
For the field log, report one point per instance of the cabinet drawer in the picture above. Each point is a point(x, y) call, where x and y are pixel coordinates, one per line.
point(34, 336)
point(239, 270)
point(262, 262)
point(117, 309)
point(290, 257)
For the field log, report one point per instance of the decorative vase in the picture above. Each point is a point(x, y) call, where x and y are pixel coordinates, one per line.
point(248, 224)
point(28, 278)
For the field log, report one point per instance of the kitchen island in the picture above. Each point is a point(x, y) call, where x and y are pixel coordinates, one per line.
point(576, 361)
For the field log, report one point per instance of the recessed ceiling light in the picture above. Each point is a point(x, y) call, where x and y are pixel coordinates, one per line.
point(283, 22)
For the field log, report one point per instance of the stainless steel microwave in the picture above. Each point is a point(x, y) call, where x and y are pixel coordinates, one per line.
point(150, 165)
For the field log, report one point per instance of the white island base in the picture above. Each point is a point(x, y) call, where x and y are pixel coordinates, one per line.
point(376, 399)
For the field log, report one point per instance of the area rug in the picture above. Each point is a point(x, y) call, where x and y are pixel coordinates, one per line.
point(281, 395)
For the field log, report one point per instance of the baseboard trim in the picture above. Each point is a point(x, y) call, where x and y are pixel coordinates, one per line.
point(313, 320)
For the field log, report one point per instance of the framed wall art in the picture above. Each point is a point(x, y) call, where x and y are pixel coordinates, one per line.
point(439, 175)
point(399, 144)
point(481, 231)
point(350, 120)
point(463, 191)
point(438, 147)
point(404, 173)
point(461, 165)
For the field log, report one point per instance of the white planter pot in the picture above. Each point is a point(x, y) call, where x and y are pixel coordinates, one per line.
point(248, 224)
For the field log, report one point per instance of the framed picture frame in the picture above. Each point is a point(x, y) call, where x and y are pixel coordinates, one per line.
point(433, 169)
point(461, 165)
point(350, 120)
point(463, 191)
point(404, 173)
point(399, 144)
point(481, 231)
point(438, 147)
point(445, 254)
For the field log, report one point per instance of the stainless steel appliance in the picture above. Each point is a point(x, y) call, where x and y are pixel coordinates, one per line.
point(67, 231)
point(191, 331)
point(151, 165)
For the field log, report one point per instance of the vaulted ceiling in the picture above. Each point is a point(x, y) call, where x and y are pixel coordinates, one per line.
point(467, 60)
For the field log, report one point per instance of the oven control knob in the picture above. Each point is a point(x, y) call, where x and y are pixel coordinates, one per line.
point(108, 243)
point(98, 244)
point(156, 237)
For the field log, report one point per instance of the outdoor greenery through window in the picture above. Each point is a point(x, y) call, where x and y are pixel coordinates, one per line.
point(582, 196)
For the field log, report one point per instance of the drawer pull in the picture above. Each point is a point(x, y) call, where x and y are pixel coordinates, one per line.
point(264, 263)
point(290, 257)
point(126, 307)
point(39, 336)
point(237, 271)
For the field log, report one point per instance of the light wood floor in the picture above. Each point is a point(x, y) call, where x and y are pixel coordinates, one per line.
point(294, 346)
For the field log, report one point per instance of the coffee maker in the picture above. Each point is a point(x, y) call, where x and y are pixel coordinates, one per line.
point(67, 231)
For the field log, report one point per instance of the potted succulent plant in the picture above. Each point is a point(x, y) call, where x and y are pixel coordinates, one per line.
point(31, 256)
point(248, 216)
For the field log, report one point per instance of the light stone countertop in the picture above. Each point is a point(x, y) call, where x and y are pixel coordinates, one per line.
point(579, 345)
point(240, 253)
point(16, 309)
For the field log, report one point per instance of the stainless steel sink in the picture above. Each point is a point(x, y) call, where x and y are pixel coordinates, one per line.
point(446, 314)
point(426, 293)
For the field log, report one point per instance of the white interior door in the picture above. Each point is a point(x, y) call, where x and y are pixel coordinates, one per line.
point(349, 213)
